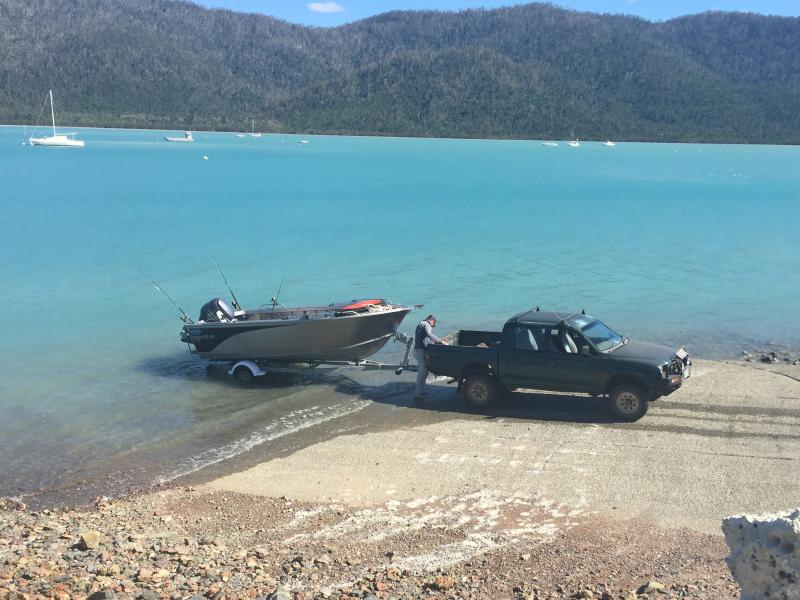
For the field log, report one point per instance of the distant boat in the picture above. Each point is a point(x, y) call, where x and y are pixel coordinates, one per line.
point(550, 144)
point(574, 143)
point(303, 141)
point(57, 139)
point(187, 137)
point(609, 143)
point(239, 135)
point(253, 129)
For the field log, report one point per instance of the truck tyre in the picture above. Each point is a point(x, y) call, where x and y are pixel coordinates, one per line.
point(628, 402)
point(243, 375)
point(481, 390)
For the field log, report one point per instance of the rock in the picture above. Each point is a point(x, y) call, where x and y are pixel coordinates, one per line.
point(443, 582)
point(280, 594)
point(587, 594)
point(90, 540)
point(262, 553)
point(765, 554)
point(769, 357)
point(103, 595)
point(144, 574)
point(323, 559)
point(651, 587)
point(59, 592)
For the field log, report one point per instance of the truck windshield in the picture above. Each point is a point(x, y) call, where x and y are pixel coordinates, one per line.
point(601, 336)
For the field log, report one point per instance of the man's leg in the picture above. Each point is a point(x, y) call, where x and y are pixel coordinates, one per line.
point(422, 373)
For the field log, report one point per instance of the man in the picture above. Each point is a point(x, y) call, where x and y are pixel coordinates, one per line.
point(423, 336)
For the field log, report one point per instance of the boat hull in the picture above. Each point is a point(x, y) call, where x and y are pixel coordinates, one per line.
point(59, 141)
point(342, 338)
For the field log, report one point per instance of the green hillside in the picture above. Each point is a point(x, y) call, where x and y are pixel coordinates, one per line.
point(530, 71)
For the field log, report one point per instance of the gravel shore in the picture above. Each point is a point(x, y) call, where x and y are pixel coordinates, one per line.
point(198, 543)
point(545, 498)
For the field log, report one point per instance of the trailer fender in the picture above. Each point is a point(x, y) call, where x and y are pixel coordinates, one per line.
point(247, 364)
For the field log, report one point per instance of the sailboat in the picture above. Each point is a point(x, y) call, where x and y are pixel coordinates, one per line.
point(253, 129)
point(575, 143)
point(57, 139)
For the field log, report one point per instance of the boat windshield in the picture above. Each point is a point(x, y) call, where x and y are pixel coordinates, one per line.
point(601, 335)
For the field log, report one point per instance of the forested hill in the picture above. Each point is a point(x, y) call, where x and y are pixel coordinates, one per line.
point(528, 71)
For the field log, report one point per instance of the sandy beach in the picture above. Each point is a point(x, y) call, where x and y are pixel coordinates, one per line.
point(543, 497)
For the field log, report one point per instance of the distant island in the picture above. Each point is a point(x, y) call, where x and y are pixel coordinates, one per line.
point(530, 71)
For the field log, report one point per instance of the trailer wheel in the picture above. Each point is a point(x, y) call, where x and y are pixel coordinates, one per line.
point(243, 375)
point(628, 402)
point(481, 390)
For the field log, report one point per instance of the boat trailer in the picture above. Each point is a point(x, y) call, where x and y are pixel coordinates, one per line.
point(245, 371)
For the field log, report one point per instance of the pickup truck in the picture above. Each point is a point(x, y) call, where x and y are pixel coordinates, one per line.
point(568, 352)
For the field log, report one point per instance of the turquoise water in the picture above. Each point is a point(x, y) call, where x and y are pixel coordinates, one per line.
point(685, 244)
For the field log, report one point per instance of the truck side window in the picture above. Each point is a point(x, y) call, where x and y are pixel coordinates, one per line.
point(525, 340)
point(554, 339)
point(560, 341)
point(580, 341)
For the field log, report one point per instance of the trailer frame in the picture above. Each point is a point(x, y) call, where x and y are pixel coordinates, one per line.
point(246, 370)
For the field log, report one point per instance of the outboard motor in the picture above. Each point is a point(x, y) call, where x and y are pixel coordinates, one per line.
point(210, 313)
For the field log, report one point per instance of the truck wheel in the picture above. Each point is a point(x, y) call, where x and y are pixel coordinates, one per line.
point(481, 390)
point(243, 375)
point(628, 402)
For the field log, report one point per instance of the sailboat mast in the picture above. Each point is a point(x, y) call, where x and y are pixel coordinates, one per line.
point(52, 112)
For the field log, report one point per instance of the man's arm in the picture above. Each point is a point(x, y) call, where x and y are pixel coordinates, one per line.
point(429, 333)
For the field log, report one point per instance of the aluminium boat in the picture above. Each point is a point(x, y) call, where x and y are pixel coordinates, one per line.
point(338, 332)
point(187, 137)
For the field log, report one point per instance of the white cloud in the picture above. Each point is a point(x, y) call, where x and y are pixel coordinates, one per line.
point(325, 7)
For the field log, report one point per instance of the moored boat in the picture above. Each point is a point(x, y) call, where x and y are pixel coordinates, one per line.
point(62, 140)
point(187, 137)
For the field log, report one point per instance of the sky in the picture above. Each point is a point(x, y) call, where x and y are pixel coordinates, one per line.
point(327, 13)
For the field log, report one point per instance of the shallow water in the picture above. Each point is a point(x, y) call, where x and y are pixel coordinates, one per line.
point(684, 244)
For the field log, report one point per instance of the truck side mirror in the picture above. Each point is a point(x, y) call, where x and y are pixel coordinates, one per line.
point(585, 350)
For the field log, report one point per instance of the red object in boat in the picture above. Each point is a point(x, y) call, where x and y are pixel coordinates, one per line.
point(362, 304)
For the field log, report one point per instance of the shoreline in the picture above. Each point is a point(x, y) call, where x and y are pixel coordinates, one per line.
point(402, 137)
point(445, 407)
point(545, 498)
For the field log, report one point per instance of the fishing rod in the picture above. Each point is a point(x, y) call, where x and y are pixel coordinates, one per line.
point(184, 316)
point(274, 300)
point(225, 279)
